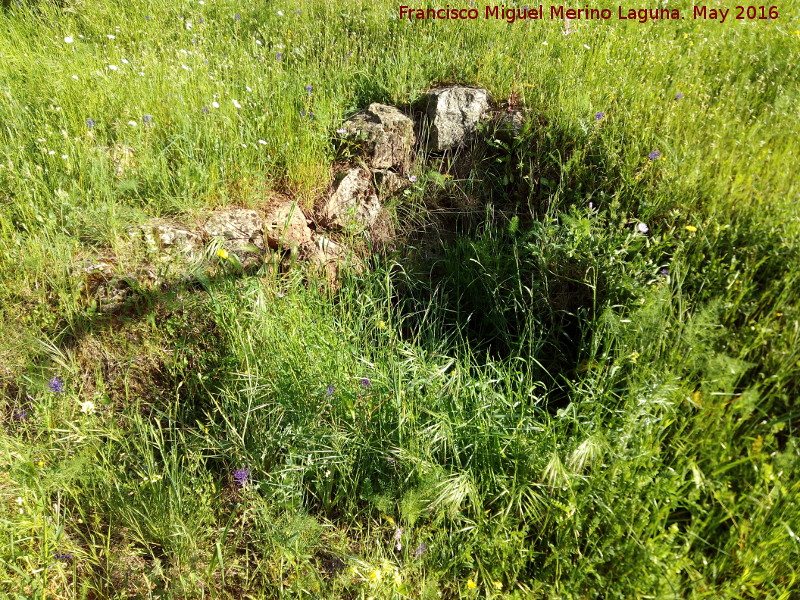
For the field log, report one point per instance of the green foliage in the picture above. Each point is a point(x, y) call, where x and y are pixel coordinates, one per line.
point(586, 390)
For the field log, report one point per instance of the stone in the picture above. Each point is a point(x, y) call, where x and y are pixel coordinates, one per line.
point(353, 201)
point(166, 236)
point(327, 259)
point(240, 229)
point(385, 134)
point(327, 247)
point(285, 226)
point(453, 114)
point(388, 183)
point(105, 290)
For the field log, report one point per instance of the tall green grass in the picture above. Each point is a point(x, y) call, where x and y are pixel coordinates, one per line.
point(543, 403)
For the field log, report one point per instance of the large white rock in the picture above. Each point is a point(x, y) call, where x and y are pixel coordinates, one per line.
point(452, 115)
point(386, 135)
point(239, 228)
point(161, 236)
point(353, 201)
point(285, 226)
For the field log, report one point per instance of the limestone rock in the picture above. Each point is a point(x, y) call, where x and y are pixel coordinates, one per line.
point(166, 236)
point(105, 290)
point(239, 228)
point(387, 136)
point(353, 201)
point(388, 183)
point(327, 259)
point(452, 115)
point(285, 226)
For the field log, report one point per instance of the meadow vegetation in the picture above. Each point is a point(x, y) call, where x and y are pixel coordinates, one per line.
point(574, 374)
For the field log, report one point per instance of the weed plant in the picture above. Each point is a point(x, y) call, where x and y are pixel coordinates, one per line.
point(585, 388)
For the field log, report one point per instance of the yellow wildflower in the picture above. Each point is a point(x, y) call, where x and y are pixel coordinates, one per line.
point(381, 324)
point(222, 253)
point(471, 585)
point(498, 585)
point(691, 228)
point(375, 575)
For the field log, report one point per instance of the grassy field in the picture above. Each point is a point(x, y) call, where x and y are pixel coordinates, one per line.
point(574, 375)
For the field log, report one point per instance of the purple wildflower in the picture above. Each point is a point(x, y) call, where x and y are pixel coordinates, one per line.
point(62, 556)
point(201, 20)
point(599, 116)
point(205, 109)
point(90, 123)
point(412, 178)
point(664, 271)
point(397, 535)
point(309, 88)
point(148, 119)
point(279, 55)
point(56, 385)
point(147, 17)
point(421, 549)
point(241, 477)
point(678, 96)
point(237, 16)
point(303, 113)
point(20, 415)
point(654, 155)
point(365, 383)
point(642, 228)
point(329, 391)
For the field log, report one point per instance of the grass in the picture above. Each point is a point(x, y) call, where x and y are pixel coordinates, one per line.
point(531, 399)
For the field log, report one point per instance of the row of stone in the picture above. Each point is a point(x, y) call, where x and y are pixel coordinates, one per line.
point(384, 140)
